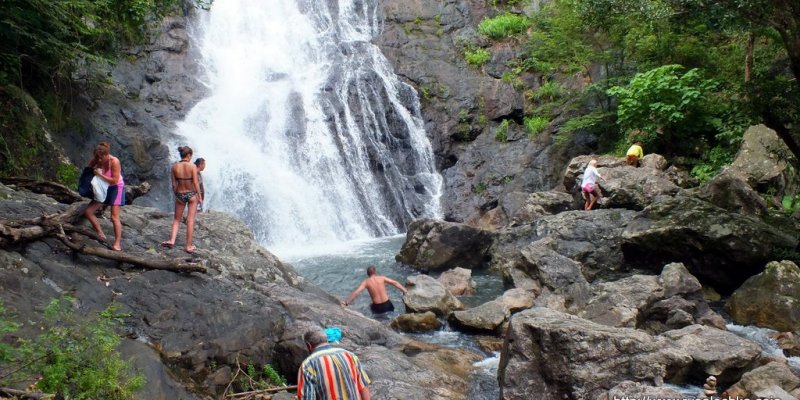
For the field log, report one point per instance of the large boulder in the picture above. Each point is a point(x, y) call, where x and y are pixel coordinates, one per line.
point(770, 299)
point(762, 161)
point(774, 381)
point(524, 208)
point(436, 245)
point(428, 294)
point(557, 355)
point(720, 248)
point(592, 239)
point(716, 352)
point(634, 188)
point(416, 322)
point(560, 274)
point(636, 390)
point(727, 190)
point(488, 317)
point(458, 281)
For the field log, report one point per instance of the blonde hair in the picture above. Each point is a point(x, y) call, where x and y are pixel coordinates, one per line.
point(592, 162)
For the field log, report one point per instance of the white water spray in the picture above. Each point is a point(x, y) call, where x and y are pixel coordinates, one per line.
point(309, 136)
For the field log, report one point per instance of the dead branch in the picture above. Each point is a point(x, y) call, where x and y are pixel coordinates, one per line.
point(132, 192)
point(262, 391)
point(61, 193)
point(174, 264)
point(23, 395)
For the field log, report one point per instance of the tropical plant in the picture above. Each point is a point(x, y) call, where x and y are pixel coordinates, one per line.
point(504, 25)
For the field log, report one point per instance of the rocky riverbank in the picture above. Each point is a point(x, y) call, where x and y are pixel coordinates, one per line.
point(618, 301)
point(185, 331)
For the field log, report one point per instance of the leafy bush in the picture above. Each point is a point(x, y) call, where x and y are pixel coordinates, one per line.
point(535, 124)
point(549, 91)
point(718, 157)
point(504, 25)
point(76, 359)
point(477, 57)
point(662, 102)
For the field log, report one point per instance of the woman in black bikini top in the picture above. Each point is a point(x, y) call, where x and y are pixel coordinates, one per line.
point(187, 192)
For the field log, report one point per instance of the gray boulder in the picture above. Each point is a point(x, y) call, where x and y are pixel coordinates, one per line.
point(490, 316)
point(435, 245)
point(458, 281)
point(636, 390)
point(774, 380)
point(727, 190)
point(524, 208)
point(716, 352)
point(557, 355)
point(718, 247)
point(770, 299)
point(428, 294)
point(762, 161)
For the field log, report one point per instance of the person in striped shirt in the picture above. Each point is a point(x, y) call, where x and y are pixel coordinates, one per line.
point(330, 373)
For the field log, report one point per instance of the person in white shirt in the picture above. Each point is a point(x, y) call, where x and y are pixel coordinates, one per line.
point(589, 189)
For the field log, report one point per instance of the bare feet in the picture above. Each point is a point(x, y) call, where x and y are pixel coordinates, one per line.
point(117, 247)
point(167, 244)
point(191, 249)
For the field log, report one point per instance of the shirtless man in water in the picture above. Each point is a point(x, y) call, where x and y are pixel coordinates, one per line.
point(376, 286)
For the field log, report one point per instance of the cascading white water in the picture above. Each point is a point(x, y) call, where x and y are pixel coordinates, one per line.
point(309, 136)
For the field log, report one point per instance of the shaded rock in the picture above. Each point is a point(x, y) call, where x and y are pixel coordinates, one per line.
point(433, 245)
point(160, 384)
point(720, 248)
point(427, 294)
point(634, 188)
point(557, 355)
point(458, 281)
point(490, 344)
point(677, 280)
point(681, 177)
point(788, 342)
point(524, 208)
point(560, 274)
point(591, 239)
point(773, 380)
point(416, 322)
point(574, 171)
point(715, 352)
point(770, 299)
point(726, 190)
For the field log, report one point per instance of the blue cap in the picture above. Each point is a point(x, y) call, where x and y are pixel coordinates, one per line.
point(334, 334)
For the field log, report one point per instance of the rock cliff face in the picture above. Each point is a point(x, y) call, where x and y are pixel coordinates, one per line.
point(194, 326)
point(464, 106)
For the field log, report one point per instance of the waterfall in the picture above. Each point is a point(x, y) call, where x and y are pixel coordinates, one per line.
point(309, 136)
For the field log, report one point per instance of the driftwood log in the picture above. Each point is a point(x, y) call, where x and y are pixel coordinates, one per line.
point(65, 195)
point(23, 395)
point(14, 232)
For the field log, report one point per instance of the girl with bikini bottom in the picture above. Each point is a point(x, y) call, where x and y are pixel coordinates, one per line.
point(186, 186)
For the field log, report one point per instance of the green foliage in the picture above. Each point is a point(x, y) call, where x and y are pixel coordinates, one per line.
point(254, 378)
point(558, 41)
point(535, 124)
point(717, 158)
point(662, 102)
point(68, 175)
point(504, 25)
point(477, 57)
point(549, 91)
point(479, 188)
point(76, 359)
point(501, 133)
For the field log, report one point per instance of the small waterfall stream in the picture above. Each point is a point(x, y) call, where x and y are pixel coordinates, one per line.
point(309, 136)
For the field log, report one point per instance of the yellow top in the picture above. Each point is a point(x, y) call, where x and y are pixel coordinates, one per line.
point(635, 150)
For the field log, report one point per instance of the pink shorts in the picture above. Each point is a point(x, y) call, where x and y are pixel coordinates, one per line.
point(588, 188)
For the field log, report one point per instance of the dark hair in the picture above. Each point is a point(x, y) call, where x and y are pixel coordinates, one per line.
point(199, 161)
point(185, 151)
point(371, 270)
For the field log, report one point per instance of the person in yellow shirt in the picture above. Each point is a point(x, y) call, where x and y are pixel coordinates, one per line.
point(635, 154)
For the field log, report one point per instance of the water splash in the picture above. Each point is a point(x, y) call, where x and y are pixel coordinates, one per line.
point(309, 136)
point(764, 338)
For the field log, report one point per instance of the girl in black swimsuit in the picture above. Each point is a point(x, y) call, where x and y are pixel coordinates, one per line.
point(187, 188)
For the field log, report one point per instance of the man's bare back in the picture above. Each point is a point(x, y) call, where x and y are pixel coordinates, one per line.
point(376, 286)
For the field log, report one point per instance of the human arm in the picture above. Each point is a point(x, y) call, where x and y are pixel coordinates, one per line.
point(305, 385)
point(396, 284)
point(365, 393)
point(115, 172)
point(356, 292)
point(196, 183)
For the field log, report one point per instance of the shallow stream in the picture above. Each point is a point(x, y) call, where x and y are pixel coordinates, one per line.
point(340, 269)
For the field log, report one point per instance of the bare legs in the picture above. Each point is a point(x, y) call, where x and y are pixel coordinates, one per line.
point(176, 223)
point(89, 214)
point(591, 198)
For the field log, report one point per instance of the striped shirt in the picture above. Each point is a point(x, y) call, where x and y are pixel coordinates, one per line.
point(331, 373)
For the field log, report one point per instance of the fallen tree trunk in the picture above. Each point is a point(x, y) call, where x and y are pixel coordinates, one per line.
point(65, 195)
point(23, 395)
point(14, 232)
